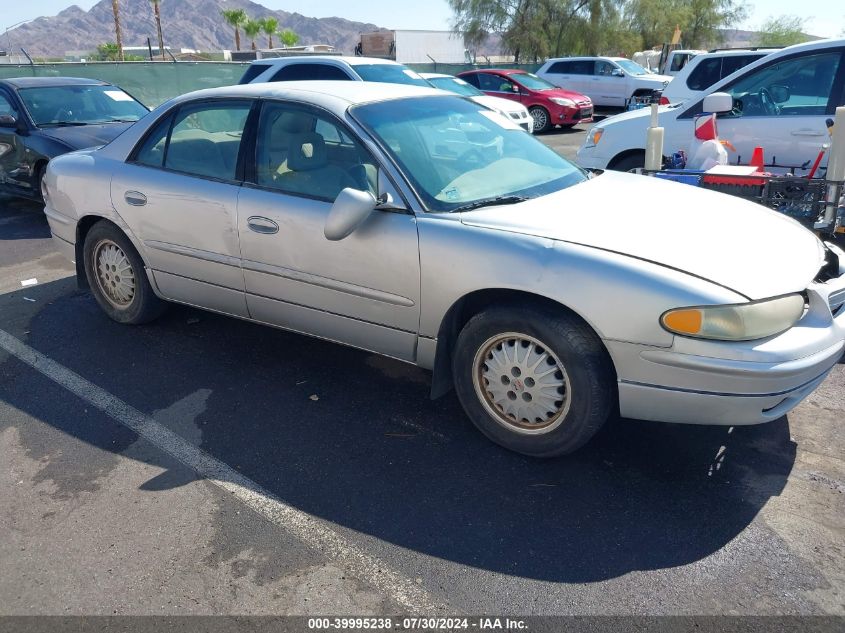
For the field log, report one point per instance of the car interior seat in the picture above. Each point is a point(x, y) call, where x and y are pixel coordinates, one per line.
point(309, 171)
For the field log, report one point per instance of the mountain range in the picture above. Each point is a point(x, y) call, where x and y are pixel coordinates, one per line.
point(195, 24)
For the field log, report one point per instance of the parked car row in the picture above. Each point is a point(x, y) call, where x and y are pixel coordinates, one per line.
point(425, 226)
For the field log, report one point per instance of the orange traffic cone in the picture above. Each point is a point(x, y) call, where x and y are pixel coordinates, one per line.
point(757, 158)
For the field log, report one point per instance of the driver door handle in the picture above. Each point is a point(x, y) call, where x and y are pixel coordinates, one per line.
point(135, 198)
point(807, 132)
point(259, 224)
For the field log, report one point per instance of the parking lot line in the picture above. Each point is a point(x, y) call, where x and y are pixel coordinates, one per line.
point(307, 528)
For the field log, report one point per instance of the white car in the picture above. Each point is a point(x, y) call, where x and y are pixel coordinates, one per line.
point(608, 81)
point(330, 67)
point(781, 103)
point(511, 109)
point(702, 71)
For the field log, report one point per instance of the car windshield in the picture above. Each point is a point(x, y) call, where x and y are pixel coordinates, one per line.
point(390, 74)
point(80, 105)
point(457, 154)
point(632, 68)
point(453, 84)
point(532, 82)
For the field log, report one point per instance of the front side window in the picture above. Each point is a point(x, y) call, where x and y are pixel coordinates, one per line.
point(305, 153)
point(488, 82)
point(455, 153)
point(799, 86)
point(6, 106)
point(603, 68)
point(54, 106)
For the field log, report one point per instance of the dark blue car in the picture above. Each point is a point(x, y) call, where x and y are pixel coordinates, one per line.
point(43, 117)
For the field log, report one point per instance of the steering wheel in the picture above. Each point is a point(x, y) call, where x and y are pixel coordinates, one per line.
point(471, 158)
point(768, 103)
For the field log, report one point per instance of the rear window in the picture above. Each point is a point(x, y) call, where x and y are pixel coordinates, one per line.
point(305, 72)
point(252, 72)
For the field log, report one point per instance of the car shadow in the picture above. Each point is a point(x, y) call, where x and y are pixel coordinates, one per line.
point(354, 439)
point(22, 220)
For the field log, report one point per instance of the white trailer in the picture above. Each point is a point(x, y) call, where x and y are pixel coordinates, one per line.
point(415, 47)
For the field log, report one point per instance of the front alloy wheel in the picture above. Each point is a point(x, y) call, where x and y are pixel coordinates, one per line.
point(521, 383)
point(541, 119)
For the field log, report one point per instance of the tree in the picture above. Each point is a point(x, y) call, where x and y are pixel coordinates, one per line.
point(235, 18)
point(706, 17)
point(252, 28)
point(269, 26)
point(116, 11)
point(108, 52)
point(288, 37)
point(781, 31)
point(157, 14)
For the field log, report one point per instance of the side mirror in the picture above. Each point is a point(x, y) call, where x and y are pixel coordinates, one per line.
point(780, 94)
point(617, 72)
point(718, 102)
point(350, 209)
point(7, 120)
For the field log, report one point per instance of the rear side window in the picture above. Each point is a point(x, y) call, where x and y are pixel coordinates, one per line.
point(306, 72)
point(734, 63)
point(562, 68)
point(252, 72)
point(582, 67)
point(708, 72)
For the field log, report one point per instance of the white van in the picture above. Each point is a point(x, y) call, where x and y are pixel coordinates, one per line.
point(702, 71)
point(608, 81)
point(781, 102)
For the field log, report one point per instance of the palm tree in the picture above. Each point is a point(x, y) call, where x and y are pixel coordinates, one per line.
point(158, 26)
point(288, 37)
point(235, 18)
point(116, 10)
point(269, 26)
point(252, 28)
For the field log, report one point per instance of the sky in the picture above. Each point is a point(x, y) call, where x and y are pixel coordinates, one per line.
point(828, 19)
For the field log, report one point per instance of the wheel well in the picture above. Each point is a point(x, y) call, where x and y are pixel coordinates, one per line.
point(459, 314)
point(82, 228)
point(642, 92)
point(623, 155)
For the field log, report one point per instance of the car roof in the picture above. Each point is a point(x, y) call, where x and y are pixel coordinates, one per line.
point(331, 59)
point(738, 51)
point(583, 57)
point(37, 82)
point(500, 71)
point(326, 92)
point(437, 76)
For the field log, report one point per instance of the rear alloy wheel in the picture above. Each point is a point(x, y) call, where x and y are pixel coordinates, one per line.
point(534, 380)
point(117, 278)
point(542, 122)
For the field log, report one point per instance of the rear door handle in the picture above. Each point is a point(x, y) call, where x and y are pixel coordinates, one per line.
point(807, 133)
point(135, 198)
point(262, 225)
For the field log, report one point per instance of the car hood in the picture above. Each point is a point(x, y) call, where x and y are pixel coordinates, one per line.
point(82, 136)
point(737, 244)
point(642, 115)
point(657, 81)
point(564, 94)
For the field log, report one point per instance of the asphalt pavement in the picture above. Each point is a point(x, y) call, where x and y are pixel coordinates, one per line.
point(205, 465)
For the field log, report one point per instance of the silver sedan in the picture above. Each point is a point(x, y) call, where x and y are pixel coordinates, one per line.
point(422, 227)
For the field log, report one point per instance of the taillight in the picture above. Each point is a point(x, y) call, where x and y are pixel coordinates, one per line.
point(664, 100)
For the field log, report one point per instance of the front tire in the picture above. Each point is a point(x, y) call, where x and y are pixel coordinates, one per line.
point(630, 163)
point(536, 381)
point(542, 120)
point(117, 278)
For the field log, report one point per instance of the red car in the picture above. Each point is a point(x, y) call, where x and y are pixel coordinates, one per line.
point(548, 104)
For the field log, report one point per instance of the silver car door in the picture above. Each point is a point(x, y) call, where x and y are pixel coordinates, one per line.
point(178, 193)
point(362, 290)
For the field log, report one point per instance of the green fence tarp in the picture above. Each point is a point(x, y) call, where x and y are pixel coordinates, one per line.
point(153, 83)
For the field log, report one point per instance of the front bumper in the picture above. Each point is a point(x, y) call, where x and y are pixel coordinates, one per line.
point(733, 383)
point(573, 115)
point(589, 158)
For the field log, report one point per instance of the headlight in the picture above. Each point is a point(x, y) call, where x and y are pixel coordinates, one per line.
point(593, 137)
point(562, 102)
point(739, 322)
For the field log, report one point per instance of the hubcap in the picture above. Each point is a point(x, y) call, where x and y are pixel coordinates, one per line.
point(115, 277)
point(539, 119)
point(521, 383)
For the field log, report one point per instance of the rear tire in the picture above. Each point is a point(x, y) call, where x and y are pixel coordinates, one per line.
point(536, 381)
point(542, 120)
point(117, 276)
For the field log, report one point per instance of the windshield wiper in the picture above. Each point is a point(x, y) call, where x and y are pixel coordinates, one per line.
point(118, 120)
point(62, 123)
point(488, 202)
